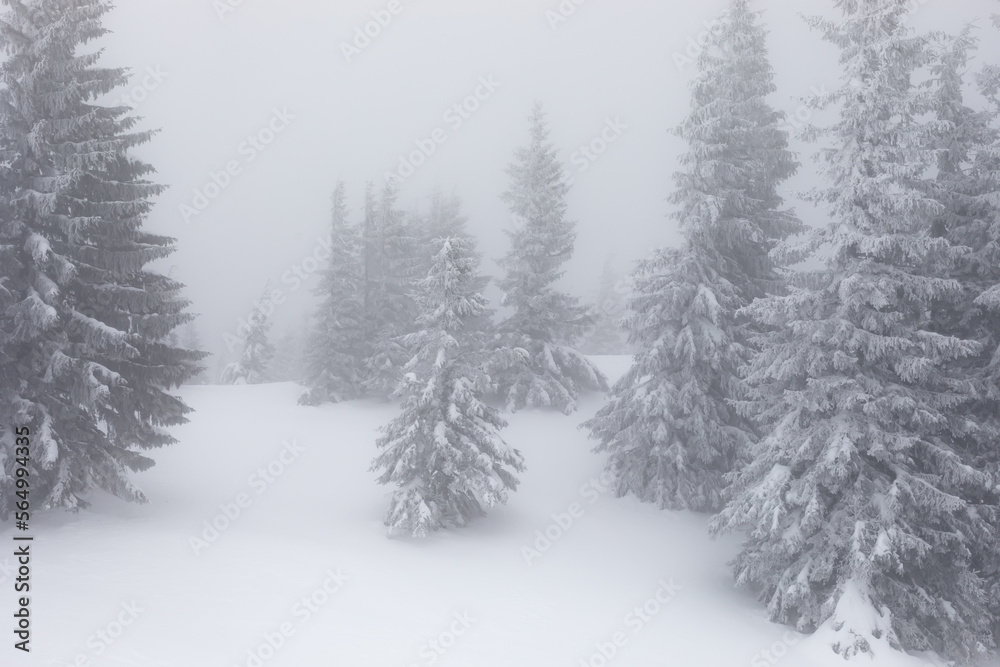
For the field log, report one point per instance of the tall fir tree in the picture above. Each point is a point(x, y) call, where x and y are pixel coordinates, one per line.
point(84, 325)
point(988, 79)
point(289, 361)
point(190, 339)
point(338, 344)
point(860, 513)
point(371, 259)
point(544, 321)
point(444, 451)
point(253, 365)
point(445, 218)
point(669, 427)
point(966, 184)
point(391, 248)
point(607, 336)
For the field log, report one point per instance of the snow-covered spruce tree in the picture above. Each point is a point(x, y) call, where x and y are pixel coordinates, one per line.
point(860, 515)
point(607, 336)
point(988, 79)
point(190, 339)
point(669, 426)
point(289, 361)
point(442, 219)
point(989, 84)
point(253, 365)
point(544, 321)
point(966, 185)
point(83, 326)
point(445, 218)
point(444, 451)
point(393, 265)
point(338, 345)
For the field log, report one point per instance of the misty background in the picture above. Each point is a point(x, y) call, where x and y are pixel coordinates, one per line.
point(222, 70)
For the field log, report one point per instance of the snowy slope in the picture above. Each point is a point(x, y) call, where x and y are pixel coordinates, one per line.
point(307, 566)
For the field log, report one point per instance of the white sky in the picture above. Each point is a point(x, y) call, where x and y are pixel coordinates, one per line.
point(612, 59)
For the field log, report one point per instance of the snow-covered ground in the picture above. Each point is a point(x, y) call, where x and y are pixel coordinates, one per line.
point(302, 561)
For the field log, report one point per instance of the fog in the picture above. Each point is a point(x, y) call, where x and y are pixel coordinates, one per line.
point(211, 76)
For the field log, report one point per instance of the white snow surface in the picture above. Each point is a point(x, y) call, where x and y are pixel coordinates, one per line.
point(469, 590)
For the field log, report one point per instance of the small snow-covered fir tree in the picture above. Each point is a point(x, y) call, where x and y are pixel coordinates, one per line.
point(255, 359)
point(860, 514)
point(669, 427)
point(607, 336)
point(544, 321)
point(85, 359)
point(338, 344)
point(444, 451)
